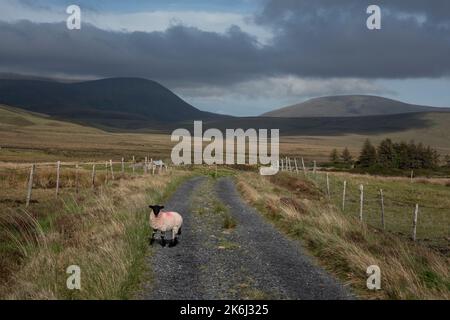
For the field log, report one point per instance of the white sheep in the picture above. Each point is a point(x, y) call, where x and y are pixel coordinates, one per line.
point(165, 221)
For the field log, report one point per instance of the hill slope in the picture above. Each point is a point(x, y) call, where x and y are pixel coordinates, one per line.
point(126, 103)
point(348, 106)
point(25, 135)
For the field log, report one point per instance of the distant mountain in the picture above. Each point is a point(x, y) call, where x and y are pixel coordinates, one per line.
point(349, 106)
point(123, 103)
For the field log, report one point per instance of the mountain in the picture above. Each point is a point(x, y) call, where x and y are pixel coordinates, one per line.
point(123, 103)
point(349, 106)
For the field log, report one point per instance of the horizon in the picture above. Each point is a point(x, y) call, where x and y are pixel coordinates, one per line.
point(241, 58)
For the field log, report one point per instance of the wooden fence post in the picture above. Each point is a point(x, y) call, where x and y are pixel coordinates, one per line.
point(282, 167)
point(30, 185)
point(112, 170)
point(412, 176)
point(328, 186)
point(106, 172)
point(134, 163)
point(145, 165)
point(344, 196)
point(58, 168)
point(296, 167)
point(304, 167)
point(76, 179)
point(416, 214)
point(361, 205)
point(123, 165)
point(153, 169)
point(382, 209)
point(93, 176)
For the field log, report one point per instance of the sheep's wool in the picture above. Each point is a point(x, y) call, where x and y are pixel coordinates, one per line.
point(166, 221)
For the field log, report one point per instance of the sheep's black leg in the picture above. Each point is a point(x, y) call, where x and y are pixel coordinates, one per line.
point(152, 239)
point(173, 242)
point(163, 239)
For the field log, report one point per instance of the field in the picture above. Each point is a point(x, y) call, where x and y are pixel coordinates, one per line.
point(25, 136)
point(345, 246)
point(103, 230)
point(400, 198)
point(106, 229)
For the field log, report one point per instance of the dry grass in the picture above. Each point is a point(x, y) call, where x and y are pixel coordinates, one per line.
point(105, 234)
point(400, 198)
point(26, 136)
point(347, 247)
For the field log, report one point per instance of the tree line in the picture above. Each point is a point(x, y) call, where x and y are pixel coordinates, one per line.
point(392, 155)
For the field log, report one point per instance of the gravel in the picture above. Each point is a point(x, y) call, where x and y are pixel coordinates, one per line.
point(251, 261)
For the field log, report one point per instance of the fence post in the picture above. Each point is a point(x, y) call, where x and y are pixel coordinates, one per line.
point(153, 169)
point(58, 168)
point(93, 176)
point(412, 176)
point(328, 186)
point(282, 167)
point(296, 167)
point(145, 165)
point(304, 167)
point(134, 163)
point(344, 196)
point(361, 205)
point(112, 170)
point(76, 179)
point(416, 214)
point(30, 185)
point(382, 209)
point(106, 172)
point(123, 165)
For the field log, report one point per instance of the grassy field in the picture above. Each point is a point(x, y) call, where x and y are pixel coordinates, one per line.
point(26, 137)
point(400, 199)
point(345, 246)
point(104, 231)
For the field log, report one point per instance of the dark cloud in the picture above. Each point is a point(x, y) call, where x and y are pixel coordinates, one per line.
point(320, 38)
point(179, 54)
point(329, 38)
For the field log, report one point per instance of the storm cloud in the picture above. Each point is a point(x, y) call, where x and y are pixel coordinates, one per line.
point(310, 39)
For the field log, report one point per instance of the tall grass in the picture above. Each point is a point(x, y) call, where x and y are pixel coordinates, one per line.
point(104, 233)
point(346, 247)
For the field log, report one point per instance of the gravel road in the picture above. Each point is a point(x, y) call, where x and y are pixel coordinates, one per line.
point(253, 260)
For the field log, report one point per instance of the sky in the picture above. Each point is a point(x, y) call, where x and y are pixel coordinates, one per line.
point(236, 57)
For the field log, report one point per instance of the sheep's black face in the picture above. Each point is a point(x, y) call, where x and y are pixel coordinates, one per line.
point(156, 209)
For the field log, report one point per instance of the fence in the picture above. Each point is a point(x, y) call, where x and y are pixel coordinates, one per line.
point(407, 211)
point(97, 173)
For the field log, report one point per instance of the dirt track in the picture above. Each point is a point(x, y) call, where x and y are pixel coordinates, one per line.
point(253, 260)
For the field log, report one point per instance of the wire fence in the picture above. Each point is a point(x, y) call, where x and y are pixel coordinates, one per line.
point(416, 210)
point(73, 175)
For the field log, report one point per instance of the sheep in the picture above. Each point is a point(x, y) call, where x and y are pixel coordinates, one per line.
point(165, 221)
